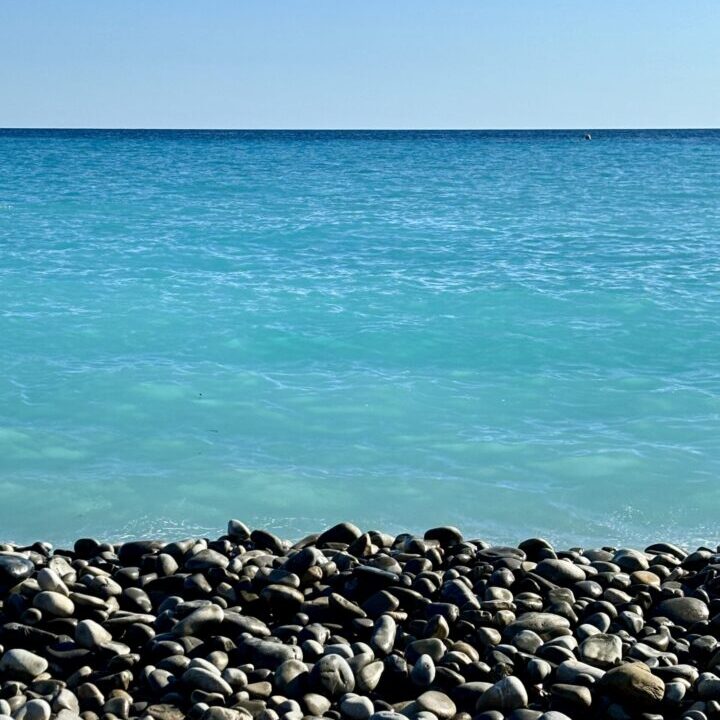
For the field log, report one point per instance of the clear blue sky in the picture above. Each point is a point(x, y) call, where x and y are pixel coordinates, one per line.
point(359, 63)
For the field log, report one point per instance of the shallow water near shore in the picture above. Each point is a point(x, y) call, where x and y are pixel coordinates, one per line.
point(516, 333)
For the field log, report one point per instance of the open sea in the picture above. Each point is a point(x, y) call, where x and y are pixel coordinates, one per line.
point(517, 333)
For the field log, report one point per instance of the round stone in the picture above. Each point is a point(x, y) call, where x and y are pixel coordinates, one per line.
point(633, 684)
point(601, 650)
point(344, 608)
point(91, 635)
point(290, 677)
point(708, 688)
point(316, 704)
point(538, 670)
point(505, 695)
point(206, 560)
point(36, 709)
point(446, 535)
point(14, 569)
point(356, 707)
point(217, 712)
point(438, 703)
point(675, 692)
point(343, 533)
point(369, 676)
point(331, 676)
point(48, 579)
point(577, 697)
point(629, 560)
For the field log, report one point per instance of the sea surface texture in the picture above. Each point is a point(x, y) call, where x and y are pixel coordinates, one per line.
point(514, 332)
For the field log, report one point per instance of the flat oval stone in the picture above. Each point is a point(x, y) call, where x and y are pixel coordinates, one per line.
point(383, 636)
point(684, 611)
point(578, 697)
point(571, 670)
point(342, 533)
point(438, 703)
point(91, 635)
point(544, 624)
point(202, 679)
point(357, 707)
point(316, 704)
point(283, 597)
point(131, 553)
point(500, 552)
point(54, 603)
point(17, 662)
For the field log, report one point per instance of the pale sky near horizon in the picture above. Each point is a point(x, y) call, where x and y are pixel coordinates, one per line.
point(359, 64)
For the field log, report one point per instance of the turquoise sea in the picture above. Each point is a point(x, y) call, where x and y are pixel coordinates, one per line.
point(514, 332)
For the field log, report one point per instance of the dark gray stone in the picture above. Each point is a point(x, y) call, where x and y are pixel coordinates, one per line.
point(343, 533)
point(331, 676)
point(438, 703)
point(684, 611)
point(505, 695)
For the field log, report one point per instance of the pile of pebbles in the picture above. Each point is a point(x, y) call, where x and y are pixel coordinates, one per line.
point(347, 625)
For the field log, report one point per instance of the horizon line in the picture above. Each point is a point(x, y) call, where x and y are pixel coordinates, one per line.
point(357, 129)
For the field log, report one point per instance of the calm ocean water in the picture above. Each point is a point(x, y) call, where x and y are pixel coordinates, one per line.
point(514, 332)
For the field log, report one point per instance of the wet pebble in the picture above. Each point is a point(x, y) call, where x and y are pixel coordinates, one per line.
point(353, 625)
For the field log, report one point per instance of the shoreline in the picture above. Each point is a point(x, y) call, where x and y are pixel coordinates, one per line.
point(350, 625)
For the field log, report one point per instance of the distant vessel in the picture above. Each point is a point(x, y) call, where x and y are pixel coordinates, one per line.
point(588, 136)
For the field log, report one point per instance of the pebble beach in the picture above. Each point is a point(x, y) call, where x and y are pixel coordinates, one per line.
point(353, 625)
